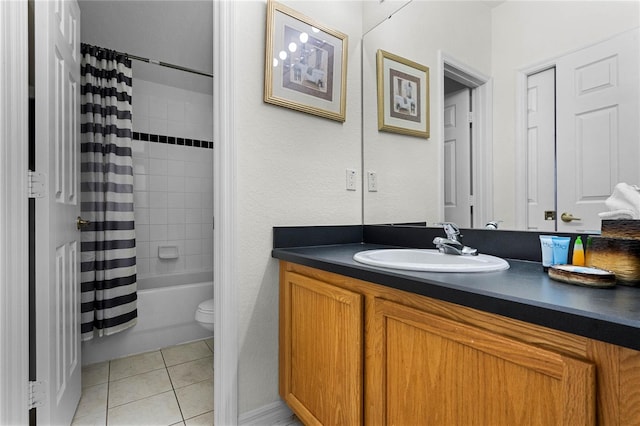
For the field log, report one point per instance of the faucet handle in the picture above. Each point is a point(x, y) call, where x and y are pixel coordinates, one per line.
point(450, 228)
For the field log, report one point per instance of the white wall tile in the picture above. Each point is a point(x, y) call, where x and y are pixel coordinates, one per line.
point(173, 184)
point(157, 166)
point(158, 217)
point(176, 216)
point(158, 199)
point(175, 200)
point(157, 232)
point(157, 107)
point(157, 182)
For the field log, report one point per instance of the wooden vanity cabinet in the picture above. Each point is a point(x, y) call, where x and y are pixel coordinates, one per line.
point(353, 352)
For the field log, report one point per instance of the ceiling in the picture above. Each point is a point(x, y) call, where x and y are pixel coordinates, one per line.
point(174, 31)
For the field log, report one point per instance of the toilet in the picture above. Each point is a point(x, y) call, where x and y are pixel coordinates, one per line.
point(204, 314)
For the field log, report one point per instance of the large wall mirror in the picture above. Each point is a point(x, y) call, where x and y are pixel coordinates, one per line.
point(534, 112)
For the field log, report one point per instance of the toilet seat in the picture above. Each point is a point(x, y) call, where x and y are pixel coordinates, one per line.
point(205, 312)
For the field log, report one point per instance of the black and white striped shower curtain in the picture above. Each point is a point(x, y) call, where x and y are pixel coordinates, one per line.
point(108, 270)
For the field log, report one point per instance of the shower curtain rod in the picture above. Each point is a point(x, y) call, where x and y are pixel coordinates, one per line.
point(168, 65)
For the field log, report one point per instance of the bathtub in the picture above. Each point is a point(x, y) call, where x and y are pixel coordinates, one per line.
point(166, 309)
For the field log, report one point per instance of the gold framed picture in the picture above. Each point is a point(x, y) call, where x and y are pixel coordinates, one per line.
point(305, 64)
point(403, 95)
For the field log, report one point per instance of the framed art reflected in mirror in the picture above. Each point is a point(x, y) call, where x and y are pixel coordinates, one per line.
point(403, 95)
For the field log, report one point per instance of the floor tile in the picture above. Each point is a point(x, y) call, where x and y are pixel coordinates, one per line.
point(93, 401)
point(209, 343)
point(205, 419)
point(95, 420)
point(95, 374)
point(138, 387)
point(157, 410)
point(184, 353)
point(191, 372)
point(135, 364)
point(196, 399)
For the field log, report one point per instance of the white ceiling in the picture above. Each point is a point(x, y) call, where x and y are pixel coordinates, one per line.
point(173, 31)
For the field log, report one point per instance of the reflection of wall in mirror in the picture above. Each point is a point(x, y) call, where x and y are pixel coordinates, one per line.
point(409, 169)
point(496, 41)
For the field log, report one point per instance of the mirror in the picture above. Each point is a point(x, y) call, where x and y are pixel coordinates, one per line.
point(490, 46)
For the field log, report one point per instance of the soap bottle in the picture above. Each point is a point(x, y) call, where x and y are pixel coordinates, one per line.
point(578, 252)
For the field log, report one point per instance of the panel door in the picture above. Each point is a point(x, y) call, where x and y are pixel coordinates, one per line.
point(541, 150)
point(427, 370)
point(321, 347)
point(457, 159)
point(598, 130)
point(57, 68)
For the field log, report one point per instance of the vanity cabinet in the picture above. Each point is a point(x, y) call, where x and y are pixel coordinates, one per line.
point(321, 350)
point(354, 352)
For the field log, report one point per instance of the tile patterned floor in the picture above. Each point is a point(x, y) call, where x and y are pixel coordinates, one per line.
point(171, 386)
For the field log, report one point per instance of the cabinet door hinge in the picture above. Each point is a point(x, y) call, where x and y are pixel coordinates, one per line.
point(37, 394)
point(37, 184)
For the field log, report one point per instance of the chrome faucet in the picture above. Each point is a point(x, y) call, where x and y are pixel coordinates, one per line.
point(452, 244)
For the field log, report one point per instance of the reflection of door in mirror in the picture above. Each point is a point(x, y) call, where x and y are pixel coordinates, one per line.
point(597, 133)
point(458, 207)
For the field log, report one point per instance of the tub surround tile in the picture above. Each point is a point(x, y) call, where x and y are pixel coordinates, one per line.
point(161, 409)
point(138, 387)
point(180, 354)
point(191, 372)
point(95, 374)
point(93, 401)
point(196, 399)
point(135, 364)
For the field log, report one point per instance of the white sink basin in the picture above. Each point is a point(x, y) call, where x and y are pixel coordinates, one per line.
point(430, 261)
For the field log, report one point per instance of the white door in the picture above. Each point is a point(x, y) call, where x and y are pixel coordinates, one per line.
point(457, 158)
point(598, 137)
point(541, 155)
point(57, 133)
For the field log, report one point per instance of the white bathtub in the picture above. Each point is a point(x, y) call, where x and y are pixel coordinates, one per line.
point(166, 309)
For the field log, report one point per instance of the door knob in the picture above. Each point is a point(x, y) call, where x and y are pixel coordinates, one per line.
point(568, 217)
point(81, 223)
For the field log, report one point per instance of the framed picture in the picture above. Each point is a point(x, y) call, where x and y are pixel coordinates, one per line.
point(305, 64)
point(403, 95)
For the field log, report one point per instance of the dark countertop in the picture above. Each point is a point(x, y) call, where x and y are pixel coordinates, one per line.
point(522, 292)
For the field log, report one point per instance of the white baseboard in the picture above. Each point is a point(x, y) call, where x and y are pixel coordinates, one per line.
point(266, 415)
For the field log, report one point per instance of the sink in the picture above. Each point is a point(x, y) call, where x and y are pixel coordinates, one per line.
point(430, 261)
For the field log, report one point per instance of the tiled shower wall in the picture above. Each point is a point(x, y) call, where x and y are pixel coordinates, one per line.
point(173, 177)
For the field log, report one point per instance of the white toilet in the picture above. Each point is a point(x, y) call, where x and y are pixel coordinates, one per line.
point(204, 314)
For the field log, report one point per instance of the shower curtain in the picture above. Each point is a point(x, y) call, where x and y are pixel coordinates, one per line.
point(108, 253)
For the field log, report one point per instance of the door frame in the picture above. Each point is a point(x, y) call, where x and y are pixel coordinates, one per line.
point(225, 361)
point(14, 236)
point(481, 134)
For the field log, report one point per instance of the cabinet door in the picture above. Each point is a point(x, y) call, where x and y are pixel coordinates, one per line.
point(321, 351)
point(433, 371)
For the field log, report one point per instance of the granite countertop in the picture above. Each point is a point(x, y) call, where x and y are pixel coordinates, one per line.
point(522, 292)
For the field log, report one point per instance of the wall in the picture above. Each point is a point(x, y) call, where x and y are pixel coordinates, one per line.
point(409, 169)
point(290, 171)
point(525, 34)
point(173, 177)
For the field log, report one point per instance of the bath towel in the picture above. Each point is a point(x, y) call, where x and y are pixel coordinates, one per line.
point(624, 203)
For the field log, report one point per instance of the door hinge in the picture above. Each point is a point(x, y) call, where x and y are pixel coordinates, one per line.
point(472, 200)
point(470, 117)
point(37, 184)
point(37, 394)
